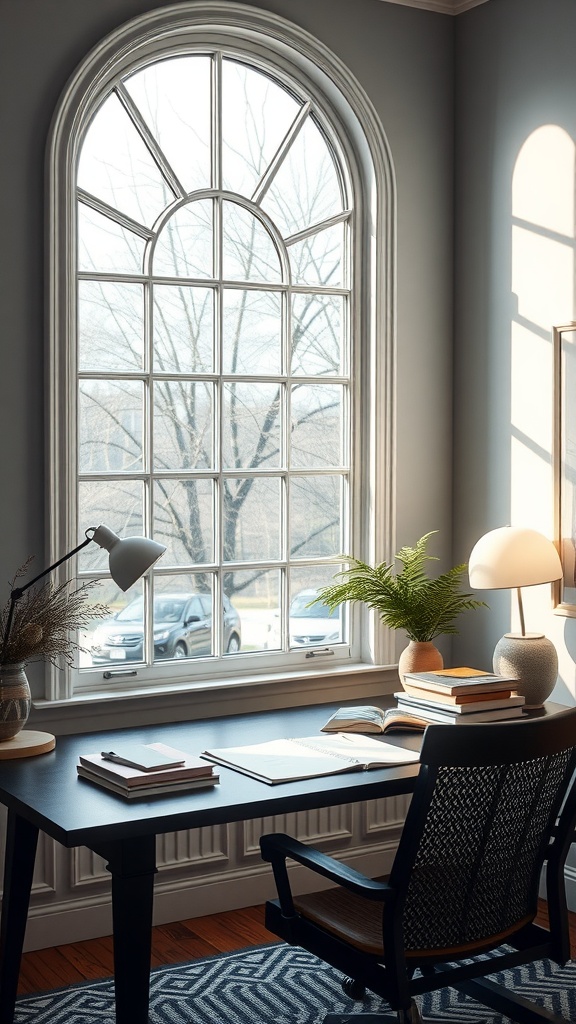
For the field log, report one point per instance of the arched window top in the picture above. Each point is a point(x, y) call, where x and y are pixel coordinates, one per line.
point(221, 285)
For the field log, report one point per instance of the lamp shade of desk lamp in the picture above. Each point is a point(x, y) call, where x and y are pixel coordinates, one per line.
point(128, 558)
point(513, 557)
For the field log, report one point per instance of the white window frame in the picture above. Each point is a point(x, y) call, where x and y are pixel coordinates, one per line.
point(326, 79)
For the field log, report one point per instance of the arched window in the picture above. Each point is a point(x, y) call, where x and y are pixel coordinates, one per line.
point(214, 346)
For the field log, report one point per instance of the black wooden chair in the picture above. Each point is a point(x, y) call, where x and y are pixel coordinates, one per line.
point(492, 804)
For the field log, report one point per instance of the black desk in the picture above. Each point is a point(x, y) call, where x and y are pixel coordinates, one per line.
point(45, 793)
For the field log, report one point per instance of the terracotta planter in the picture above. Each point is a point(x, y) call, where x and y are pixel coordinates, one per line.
point(15, 701)
point(419, 656)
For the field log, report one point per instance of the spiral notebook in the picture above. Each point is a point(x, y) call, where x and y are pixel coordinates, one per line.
point(286, 760)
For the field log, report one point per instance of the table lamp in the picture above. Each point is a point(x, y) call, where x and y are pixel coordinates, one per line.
point(516, 557)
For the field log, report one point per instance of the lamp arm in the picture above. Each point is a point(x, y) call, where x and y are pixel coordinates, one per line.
point(19, 591)
point(521, 611)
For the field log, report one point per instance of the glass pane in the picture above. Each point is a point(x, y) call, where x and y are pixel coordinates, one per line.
point(183, 329)
point(251, 425)
point(117, 167)
point(184, 246)
point(173, 97)
point(315, 624)
point(316, 516)
point(251, 523)
point(316, 435)
point(106, 246)
point(251, 332)
point(248, 253)
point(110, 426)
point(318, 259)
point(255, 594)
point(184, 520)
point(119, 637)
point(256, 114)
point(110, 326)
point(118, 504)
point(317, 326)
point(183, 624)
point(183, 425)
point(306, 189)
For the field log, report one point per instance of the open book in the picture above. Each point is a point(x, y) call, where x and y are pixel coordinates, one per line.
point(358, 719)
point(286, 760)
point(408, 718)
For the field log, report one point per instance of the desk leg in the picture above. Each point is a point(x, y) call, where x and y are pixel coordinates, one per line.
point(21, 842)
point(132, 864)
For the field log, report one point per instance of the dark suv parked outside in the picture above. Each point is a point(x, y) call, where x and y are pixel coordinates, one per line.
point(182, 629)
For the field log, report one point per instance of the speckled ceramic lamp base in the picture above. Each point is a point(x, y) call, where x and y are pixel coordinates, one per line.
point(533, 660)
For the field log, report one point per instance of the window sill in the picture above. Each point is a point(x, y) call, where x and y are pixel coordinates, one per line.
point(187, 702)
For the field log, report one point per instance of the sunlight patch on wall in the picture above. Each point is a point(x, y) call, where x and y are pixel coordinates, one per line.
point(542, 277)
point(543, 286)
point(543, 182)
point(542, 282)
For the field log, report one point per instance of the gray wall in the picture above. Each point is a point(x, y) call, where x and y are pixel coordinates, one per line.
point(515, 85)
point(404, 60)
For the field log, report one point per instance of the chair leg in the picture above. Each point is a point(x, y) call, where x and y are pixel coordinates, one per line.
point(410, 1016)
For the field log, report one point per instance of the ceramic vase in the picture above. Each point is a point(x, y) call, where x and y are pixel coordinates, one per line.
point(419, 656)
point(15, 700)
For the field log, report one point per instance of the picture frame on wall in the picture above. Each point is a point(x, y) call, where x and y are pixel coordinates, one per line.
point(564, 460)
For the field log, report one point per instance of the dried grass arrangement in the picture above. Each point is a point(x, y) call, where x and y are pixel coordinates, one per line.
point(47, 620)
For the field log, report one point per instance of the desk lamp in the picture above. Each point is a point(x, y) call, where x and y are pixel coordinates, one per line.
point(128, 560)
point(516, 557)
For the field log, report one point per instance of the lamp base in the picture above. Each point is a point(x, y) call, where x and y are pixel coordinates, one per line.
point(27, 743)
point(532, 659)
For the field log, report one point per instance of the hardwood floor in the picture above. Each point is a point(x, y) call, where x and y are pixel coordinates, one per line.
point(171, 943)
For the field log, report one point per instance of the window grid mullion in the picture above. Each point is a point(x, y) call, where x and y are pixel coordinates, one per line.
point(218, 578)
point(216, 117)
point(148, 482)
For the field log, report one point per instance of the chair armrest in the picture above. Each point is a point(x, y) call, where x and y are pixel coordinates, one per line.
point(278, 846)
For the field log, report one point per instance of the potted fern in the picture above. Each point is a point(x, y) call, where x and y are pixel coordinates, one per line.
point(423, 607)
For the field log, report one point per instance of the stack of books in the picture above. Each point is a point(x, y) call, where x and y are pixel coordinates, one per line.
point(459, 696)
point(452, 696)
point(145, 770)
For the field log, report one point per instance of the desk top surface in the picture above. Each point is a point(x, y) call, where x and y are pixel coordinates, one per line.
point(47, 791)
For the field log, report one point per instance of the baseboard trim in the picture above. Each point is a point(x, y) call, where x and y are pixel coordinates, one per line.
point(91, 918)
point(178, 900)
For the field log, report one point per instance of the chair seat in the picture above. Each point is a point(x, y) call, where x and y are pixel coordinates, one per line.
point(358, 921)
point(349, 917)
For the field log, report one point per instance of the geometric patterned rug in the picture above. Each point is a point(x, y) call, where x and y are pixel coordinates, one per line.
point(278, 984)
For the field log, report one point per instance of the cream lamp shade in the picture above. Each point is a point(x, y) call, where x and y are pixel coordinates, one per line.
point(129, 558)
point(513, 557)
